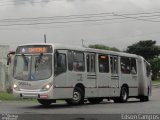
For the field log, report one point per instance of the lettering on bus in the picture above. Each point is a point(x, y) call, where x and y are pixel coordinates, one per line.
point(34, 49)
point(37, 50)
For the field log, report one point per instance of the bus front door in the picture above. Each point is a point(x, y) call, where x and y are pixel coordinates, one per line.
point(60, 69)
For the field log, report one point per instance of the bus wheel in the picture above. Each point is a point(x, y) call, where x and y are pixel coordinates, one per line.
point(123, 95)
point(145, 98)
point(44, 102)
point(78, 97)
point(95, 100)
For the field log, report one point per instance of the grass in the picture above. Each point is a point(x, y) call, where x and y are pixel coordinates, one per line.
point(155, 82)
point(7, 96)
point(4, 96)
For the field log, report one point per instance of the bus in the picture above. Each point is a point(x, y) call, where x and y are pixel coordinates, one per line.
point(50, 72)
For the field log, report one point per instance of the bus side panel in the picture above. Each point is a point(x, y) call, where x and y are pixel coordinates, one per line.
point(114, 92)
point(91, 92)
point(62, 93)
point(141, 77)
point(103, 84)
point(145, 79)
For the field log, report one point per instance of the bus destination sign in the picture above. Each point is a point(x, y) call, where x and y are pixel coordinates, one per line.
point(30, 49)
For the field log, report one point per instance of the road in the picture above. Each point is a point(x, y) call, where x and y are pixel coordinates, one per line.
point(106, 107)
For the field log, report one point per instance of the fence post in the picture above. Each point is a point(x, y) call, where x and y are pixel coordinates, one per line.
point(2, 77)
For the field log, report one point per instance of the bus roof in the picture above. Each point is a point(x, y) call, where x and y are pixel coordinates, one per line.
point(111, 52)
point(85, 49)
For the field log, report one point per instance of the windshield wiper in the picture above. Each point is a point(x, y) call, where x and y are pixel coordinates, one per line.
point(39, 60)
point(25, 60)
point(40, 57)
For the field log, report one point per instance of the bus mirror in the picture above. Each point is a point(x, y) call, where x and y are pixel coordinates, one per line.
point(56, 54)
point(8, 59)
point(59, 59)
point(9, 55)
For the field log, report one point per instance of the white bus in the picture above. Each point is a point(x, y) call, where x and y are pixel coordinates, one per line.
point(50, 72)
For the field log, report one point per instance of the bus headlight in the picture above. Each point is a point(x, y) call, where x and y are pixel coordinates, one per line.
point(46, 87)
point(15, 86)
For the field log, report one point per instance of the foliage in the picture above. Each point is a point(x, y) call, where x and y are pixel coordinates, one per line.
point(155, 65)
point(155, 82)
point(148, 49)
point(6, 96)
point(103, 47)
point(114, 49)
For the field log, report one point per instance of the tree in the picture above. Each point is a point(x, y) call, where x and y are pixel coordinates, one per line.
point(148, 49)
point(155, 65)
point(114, 49)
point(103, 47)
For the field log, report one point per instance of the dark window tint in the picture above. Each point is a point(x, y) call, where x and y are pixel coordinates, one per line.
point(133, 66)
point(103, 64)
point(90, 62)
point(125, 65)
point(70, 60)
point(78, 61)
point(114, 64)
point(148, 69)
point(60, 64)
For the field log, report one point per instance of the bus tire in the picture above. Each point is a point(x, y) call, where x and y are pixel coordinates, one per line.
point(145, 98)
point(123, 95)
point(44, 102)
point(95, 100)
point(78, 97)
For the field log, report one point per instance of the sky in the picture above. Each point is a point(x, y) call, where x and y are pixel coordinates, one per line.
point(114, 23)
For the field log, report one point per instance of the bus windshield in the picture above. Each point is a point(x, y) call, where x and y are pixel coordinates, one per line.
point(33, 67)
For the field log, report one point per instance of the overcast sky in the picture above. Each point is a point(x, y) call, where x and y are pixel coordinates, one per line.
point(117, 23)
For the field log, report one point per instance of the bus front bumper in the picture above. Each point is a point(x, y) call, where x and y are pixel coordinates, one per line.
point(37, 94)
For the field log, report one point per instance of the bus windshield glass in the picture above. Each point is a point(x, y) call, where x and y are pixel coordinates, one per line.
point(33, 67)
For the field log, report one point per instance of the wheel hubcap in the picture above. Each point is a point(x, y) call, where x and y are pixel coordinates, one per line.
point(76, 96)
point(124, 95)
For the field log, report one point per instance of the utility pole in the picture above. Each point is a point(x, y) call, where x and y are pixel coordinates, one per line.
point(45, 40)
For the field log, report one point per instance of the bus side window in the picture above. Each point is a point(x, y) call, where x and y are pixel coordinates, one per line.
point(114, 64)
point(92, 63)
point(103, 64)
point(78, 62)
point(60, 63)
point(148, 69)
point(133, 66)
point(125, 65)
point(88, 62)
point(90, 58)
point(70, 60)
